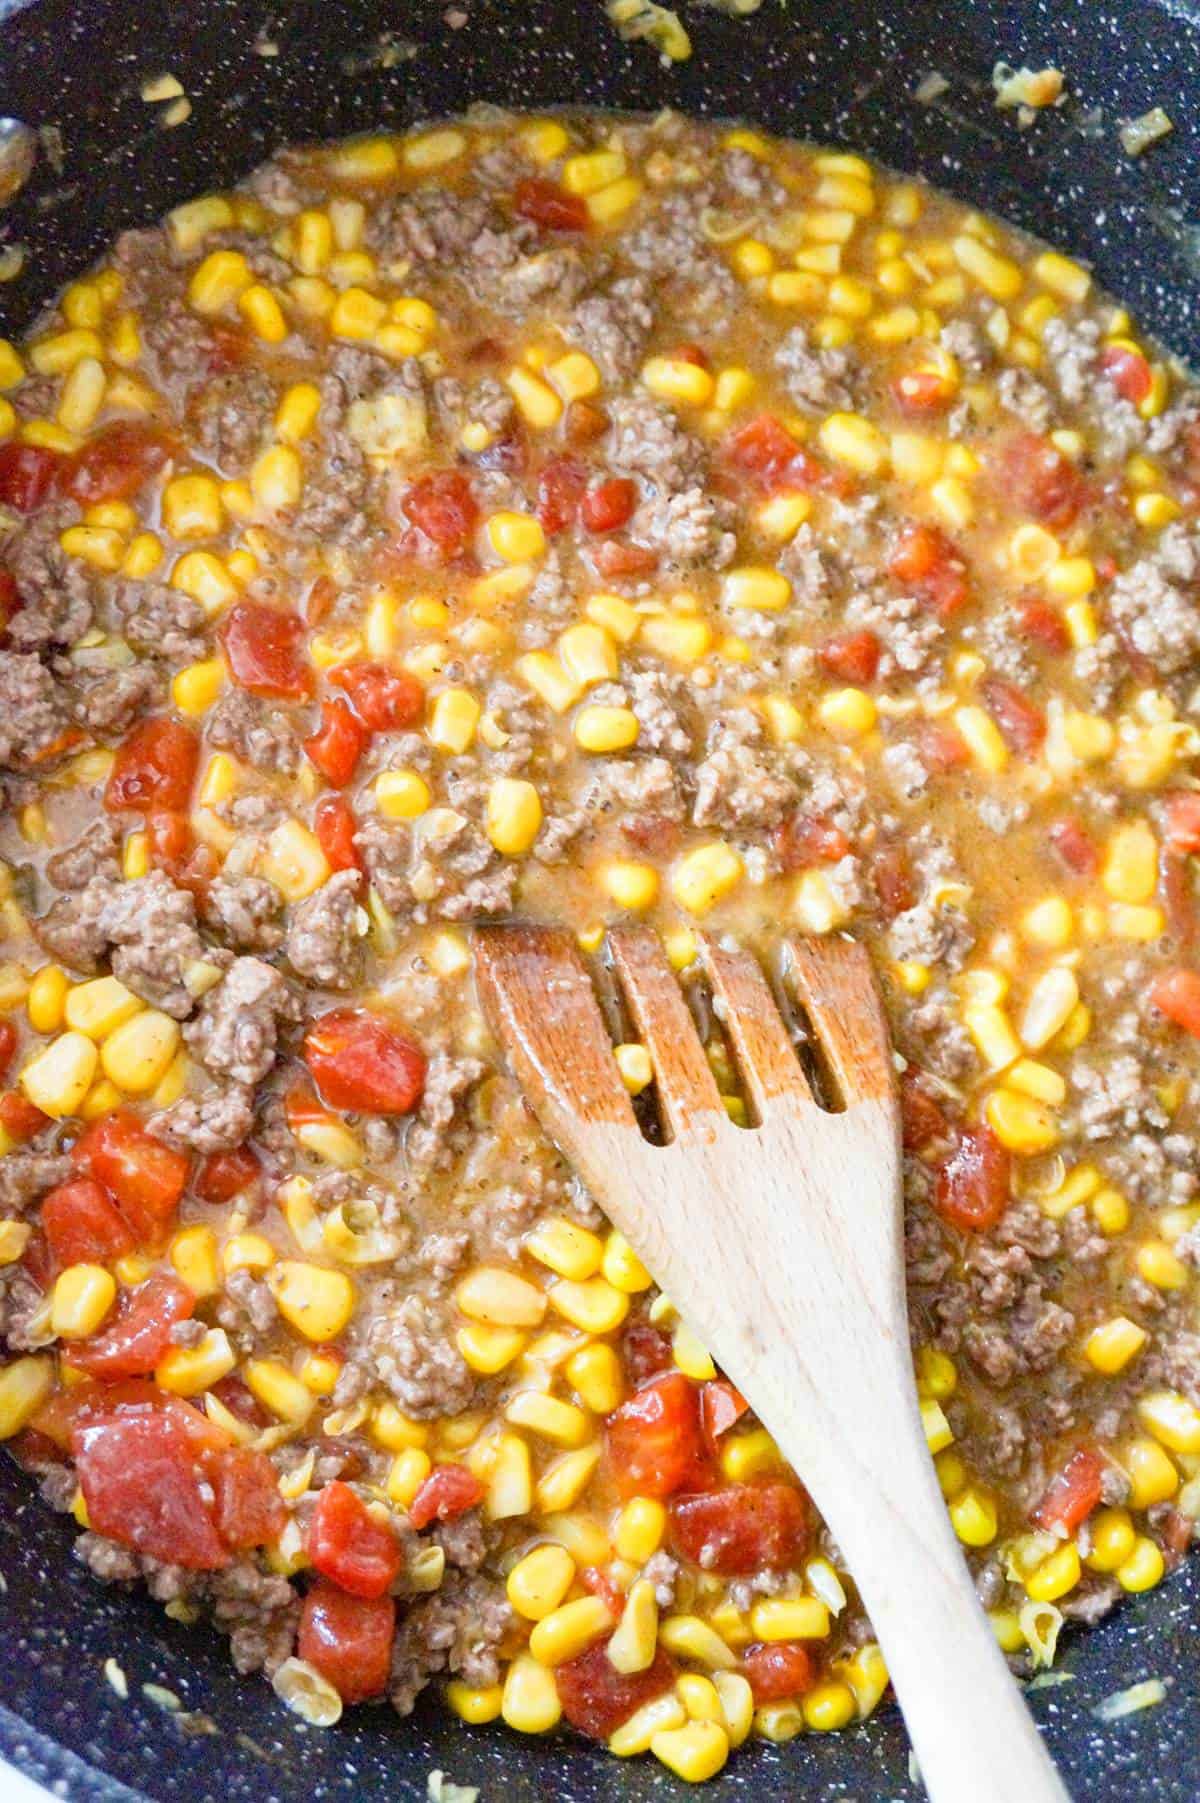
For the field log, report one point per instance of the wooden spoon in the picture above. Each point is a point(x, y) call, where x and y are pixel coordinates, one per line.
point(782, 1248)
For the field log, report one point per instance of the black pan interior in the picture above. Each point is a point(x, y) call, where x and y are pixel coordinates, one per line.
point(840, 72)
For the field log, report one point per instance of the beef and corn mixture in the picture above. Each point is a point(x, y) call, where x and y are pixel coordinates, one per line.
point(583, 519)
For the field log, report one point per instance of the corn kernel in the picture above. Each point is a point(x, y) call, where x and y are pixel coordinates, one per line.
point(636, 1067)
point(549, 680)
point(629, 884)
point(80, 1300)
point(606, 729)
point(1143, 1569)
point(1112, 1539)
point(593, 1305)
point(679, 381)
point(529, 1701)
point(1130, 872)
point(1055, 1575)
point(538, 1583)
point(1152, 1474)
point(537, 402)
point(218, 281)
point(614, 201)
point(569, 1630)
point(82, 395)
point(137, 1055)
point(281, 1393)
point(472, 1704)
point(357, 315)
point(789, 1618)
point(317, 1302)
point(853, 441)
point(45, 1003)
point(401, 794)
point(1172, 1419)
point(297, 412)
point(705, 876)
point(513, 815)
point(453, 721)
point(829, 1706)
point(1160, 1266)
point(190, 1370)
point(58, 355)
point(25, 1384)
point(973, 1517)
point(205, 578)
point(294, 861)
point(847, 713)
point(500, 1298)
point(59, 1077)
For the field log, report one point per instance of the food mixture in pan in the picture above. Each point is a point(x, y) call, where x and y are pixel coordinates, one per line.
point(583, 519)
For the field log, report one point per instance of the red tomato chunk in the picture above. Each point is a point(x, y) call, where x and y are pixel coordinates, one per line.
point(264, 647)
point(561, 487)
point(384, 700)
point(117, 464)
point(247, 1505)
point(975, 1183)
point(145, 1178)
point(349, 1640)
point(1074, 846)
point(851, 656)
point(155, 767)
point(608, 507)
point(1073, 1494)
point(19, 1118)
point(442, 506)
point(925, 561)
point(83, 1225)
point(1177, 995)
point(742, 1529)
point(8, 1045)
point(778, 1669)
point(1183, 823)
point(1022, 725)
point(654, 1441)
point(335, 827)
point(597, 1699)
point(721, 1407)
point(143, 1487)
point(29, 476)
point(549, 206)
point(360, 1063)
point(139, 1336)
point(449, 1490)
point(347, 1545)
point(224, 1175)
point(335, 748)
point(1039, 480)
point(1128, 371)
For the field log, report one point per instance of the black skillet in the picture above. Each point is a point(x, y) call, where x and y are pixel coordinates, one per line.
point(842, 72)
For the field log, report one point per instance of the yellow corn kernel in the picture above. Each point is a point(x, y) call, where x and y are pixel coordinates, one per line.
point(218, 281)
point(734, 387)
point(762, 590)
point(401, 794)
point(190, 1370)
point(1130, 872)
point(1040, 1081)
point(593, 1305)
point(12, 370)
point(293, 860)
point(569, 1630)
point(513, 815)
point(679, 381)
point(683, 640)
point(193, 1252)
point(1152, 1474)
point(196, 688)
point(705, 876)
point(606, 729)
point(1172, 1419)
point(516, 537)
point(973, 1517)
point(488, 1349)
point(1160, 1266)
point(938, 1432)
point(1055, 1575)
point(548, 1418)
point(784, 719)
point(357, 315)
point(636, 1067)
point(614, 201)
point(137, 1055)
point(277, 478)
point(749, 1454)
point(544, 139)
point(847, 713)
point(25, 1384)
point(59, 354)
point(854, 442)
point(317, 1302)
point(790, 1618)
point(59, 1077)
point(281, 1393)
point(95, 545)
point(629, 884)
point(690, 1356)
point(568, 1249)
point(297, 412)
point(407, 1473)
point(1050, 1004)
point(537, 1584)
point(529, 1701)
point(1049, 923)
point(453, 721)
point(1112, 1539)
point(695, 1752)
point(537, 402)
point(594, 1372)
point(80, 1300)
point(1151, 511)
point(14, 1237)
point(101, 1099)
point(983, 740)
point(614, 616)
point(247, 1252)
point(500, 1298)
point(622, 1267)
point(829, 1706)
point(82, 395)
point(46, 1001)
point(394, 1431)
point(1143, 1569)
point(1019, 1123)
point(751, 258)
point(996, 275)
point(693, 1639)
point(8, 419)
point(1062, 276)
point(119, 515)
point(473, 1704)
point(588, 654)
point(205, 578)
point(143, 556)
point(700, 1698)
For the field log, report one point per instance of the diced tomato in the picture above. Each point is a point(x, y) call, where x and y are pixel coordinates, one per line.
point(335, 827)
point(37, 1260)
point(654, 1442)
point(584, 424)
point(657, 834)
point(778, 1669)
point(318, 603)
point(449, 1490)
point(347, 1545)
point(29, 475)
point(8, 1046)
point(1039, 480)
point(171, 839)
point(1043, 624)
point(601, 1585)
point(228, 346)
point(924, 560)
point(143, 1487)
point(721, 1407)
point(921, 392)
point(597, 1699)
point(338, 743)
point(19, 1118)
point(349, 1640)
point(84, 1401)
point(1178, 891)
point(1072, 1494)
point(549, 206)
point(264, 647)
point(139, 1336)
point(743, 1528)
point(385, 700)
point(615, 560)
point(802, 840)
point(1182, 814)
point(360, 1062)
point(442, 507)
point(155, 767)
point(240, 1401)
point(83, 1225)
point(975, 1183)
point(561, 487)
point(1022, 724)
point(224, 1175)
point(117, 463)
point(644, 1352)
point(1074, 845)
point(1128, 371)
point(145, 1177)
point(10, 599)
point(690, 352)
point(607, 507)
point(922, 1118)
point(301, 1107)
point(247, 1506)
point(1177, 995)
point(851, 656)
point(942, 749)
point(891, 869)
point(762, 448)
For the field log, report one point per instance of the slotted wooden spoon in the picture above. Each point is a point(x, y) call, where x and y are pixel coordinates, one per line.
point(782, 1247)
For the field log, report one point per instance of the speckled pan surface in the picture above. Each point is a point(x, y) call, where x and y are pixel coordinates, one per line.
point(830, 70)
